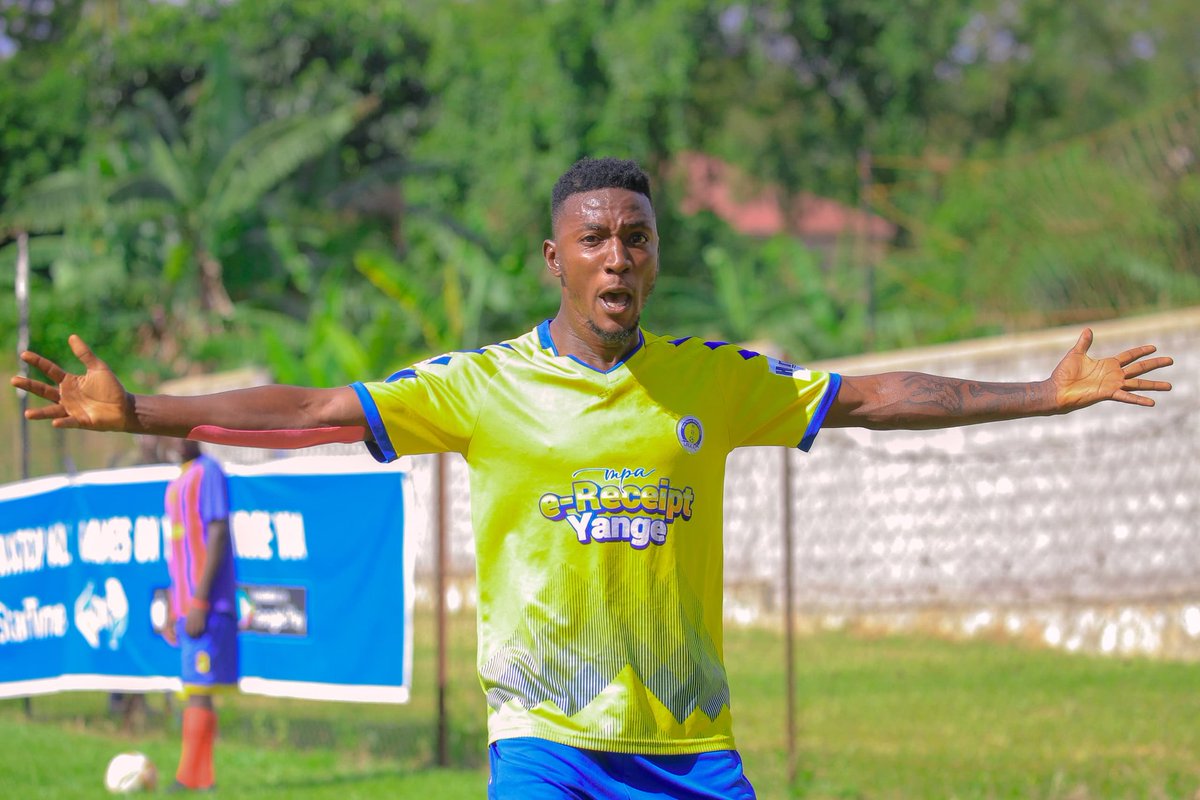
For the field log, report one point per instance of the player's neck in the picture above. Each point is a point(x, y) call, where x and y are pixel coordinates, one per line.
point(588, 346)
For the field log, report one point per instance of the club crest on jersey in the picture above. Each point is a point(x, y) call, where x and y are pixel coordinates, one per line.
point(690, 433)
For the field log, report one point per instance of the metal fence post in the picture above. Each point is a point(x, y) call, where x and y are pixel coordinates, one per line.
point(788, 613)
point(22, 292)
point(442, 502)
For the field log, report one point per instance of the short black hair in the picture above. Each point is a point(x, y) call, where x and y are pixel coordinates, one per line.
point(589, 174)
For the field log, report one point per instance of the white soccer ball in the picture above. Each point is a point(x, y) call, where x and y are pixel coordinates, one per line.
point(130, 772)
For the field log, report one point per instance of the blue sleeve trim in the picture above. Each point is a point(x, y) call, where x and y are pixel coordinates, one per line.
point(814, 424)
point(379, 446)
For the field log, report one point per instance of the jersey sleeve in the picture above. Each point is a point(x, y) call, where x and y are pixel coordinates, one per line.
point(773, 402)
point(214, 494)
point(430, 407)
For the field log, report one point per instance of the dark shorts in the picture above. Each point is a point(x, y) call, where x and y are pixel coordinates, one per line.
point(536, 769)
point(211, 659)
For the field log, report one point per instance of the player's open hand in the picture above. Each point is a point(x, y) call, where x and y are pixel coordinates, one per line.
point(1081, 381)
point(94, 401)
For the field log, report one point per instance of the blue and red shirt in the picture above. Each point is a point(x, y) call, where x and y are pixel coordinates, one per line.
point(199, 495)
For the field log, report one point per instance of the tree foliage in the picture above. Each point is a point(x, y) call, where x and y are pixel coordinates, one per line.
point(170, 155)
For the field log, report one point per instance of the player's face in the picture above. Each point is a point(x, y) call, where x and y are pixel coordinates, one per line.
point(605, 255)
point(177, 451)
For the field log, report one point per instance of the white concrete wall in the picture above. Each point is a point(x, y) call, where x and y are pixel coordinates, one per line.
point(1083, 530)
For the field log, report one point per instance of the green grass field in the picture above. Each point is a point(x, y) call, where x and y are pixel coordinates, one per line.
point(890, 717)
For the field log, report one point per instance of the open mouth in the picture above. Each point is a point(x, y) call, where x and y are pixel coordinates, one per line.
point(616, 301)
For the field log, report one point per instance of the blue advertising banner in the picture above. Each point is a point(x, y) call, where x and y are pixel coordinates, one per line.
point(324, 600)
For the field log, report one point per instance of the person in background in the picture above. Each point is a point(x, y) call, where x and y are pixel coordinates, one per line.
point(203, 610)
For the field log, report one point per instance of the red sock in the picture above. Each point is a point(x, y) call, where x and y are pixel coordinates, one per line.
point(196, 758)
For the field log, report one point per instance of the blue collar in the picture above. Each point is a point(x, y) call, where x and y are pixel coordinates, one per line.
point(547, 343)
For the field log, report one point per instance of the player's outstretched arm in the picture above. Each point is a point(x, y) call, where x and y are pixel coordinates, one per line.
point(914, 400)
point(263, 416)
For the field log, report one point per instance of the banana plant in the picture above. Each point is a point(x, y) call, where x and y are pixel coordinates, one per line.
point(178, 190)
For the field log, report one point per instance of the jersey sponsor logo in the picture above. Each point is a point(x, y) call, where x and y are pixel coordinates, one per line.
point(690, 433)
point(620, 507)
point(788, 370)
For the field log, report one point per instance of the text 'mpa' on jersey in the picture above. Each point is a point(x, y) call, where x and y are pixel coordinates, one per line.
point(597, 511)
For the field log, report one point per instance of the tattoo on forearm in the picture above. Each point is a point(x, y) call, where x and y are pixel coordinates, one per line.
point(932, 395)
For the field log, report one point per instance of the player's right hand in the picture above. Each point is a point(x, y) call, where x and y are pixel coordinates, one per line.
point(93, 401)
point(196, 622)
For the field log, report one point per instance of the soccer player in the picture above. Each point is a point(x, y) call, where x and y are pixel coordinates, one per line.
point(596, 452)
point(203, 618)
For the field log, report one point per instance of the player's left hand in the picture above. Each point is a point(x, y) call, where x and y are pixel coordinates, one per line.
point(196, 622)
point(1080, 380)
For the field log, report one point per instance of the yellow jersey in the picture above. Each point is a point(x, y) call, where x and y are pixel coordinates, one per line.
point(596, 505)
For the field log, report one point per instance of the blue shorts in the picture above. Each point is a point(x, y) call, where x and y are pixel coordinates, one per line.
point(536, 769)
point(211, 659)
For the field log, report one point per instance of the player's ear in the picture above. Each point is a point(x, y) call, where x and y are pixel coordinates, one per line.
point(550, 254)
